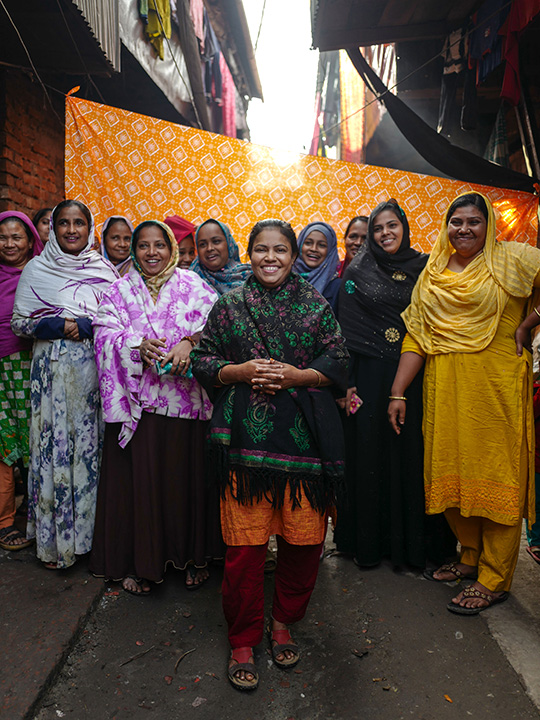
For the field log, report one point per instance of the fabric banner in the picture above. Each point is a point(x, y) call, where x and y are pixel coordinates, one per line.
point(144, 168)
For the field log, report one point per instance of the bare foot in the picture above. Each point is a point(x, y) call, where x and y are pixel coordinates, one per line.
point(242, 674)
point(196, 576)
point(135, 586)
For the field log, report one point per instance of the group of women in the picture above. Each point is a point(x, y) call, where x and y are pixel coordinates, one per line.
point(164, 359)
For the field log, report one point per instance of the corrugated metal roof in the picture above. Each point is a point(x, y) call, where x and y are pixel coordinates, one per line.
point(102, 16)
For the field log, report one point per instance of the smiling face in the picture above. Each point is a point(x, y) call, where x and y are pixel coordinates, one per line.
point(117, 241)
point(388, 231)
point(355, 238)
point(72, 230)
point(212, 247)
point(314, 249)
point(186, 252)
point(271, 258)
point(15, 247)
point(467, 231)
point(43, 227)
point(152, 250)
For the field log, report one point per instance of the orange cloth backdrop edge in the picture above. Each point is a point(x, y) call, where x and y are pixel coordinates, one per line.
point(120, 162)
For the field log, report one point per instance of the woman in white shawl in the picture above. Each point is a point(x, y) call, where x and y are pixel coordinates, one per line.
point(56, 301)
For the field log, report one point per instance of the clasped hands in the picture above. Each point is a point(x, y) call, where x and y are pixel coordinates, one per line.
point(269, 376)
point(151, 352)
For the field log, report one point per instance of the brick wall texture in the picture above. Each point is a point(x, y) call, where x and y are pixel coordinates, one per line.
point(31, 145)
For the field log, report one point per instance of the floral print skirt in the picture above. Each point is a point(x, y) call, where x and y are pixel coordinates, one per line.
point(65, 449)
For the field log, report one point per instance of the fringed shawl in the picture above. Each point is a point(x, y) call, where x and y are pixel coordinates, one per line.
point(292, 439)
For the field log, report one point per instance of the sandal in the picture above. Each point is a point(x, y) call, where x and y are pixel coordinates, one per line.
point(8, 534)
point(534, 552)
point(193, 571)
point(472, 592)
point(451, 568)
point(139, 582)
point(283, 641)
point(241, 658)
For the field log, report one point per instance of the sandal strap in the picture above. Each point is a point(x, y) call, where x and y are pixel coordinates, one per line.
point(241, 655)
point(280, 648)
point(472, 592)
point(452, 568)
point(281, 636)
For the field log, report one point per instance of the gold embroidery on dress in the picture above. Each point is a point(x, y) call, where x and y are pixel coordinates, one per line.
point(392, 334)
point(398, 275)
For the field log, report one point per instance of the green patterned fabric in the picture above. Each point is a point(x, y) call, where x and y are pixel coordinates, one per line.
point(15, 407)
point(292, 439)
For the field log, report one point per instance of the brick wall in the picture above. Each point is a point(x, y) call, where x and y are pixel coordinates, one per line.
point(31, 145)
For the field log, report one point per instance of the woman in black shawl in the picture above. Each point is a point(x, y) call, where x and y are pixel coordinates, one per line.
point(382, 515)
point(272, 348)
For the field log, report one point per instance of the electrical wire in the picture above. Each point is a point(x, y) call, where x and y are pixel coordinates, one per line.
point(377, 98)
point(31, 62)
point(260, 26)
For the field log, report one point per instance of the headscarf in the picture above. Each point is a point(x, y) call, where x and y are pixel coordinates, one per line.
point(56, 283)
point(376, 288)
point(9, 279)
point(180, 227)
point(320, 276)
point(460, 312)
point(154, 283)
point(123, 266)
point(233, 274)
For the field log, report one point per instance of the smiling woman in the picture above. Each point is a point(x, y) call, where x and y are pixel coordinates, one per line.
point(218, 260)
point(269, 353)
point(318, 259)
point(116, 234)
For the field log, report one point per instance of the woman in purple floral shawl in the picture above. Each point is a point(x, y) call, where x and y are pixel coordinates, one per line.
point(153, 506)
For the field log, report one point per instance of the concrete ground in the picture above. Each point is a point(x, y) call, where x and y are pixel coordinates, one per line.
point(376, 645)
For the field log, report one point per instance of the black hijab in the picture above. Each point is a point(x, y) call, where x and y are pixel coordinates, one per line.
point(376, 289)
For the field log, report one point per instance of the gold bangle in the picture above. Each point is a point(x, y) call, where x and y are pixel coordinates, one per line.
point(219, 375)
point(319, 376)
point(536, 311)
point(189, 339)
point(396, 397)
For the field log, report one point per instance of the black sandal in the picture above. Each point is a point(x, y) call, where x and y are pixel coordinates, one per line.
point(283, 641)
point(138, 581)
point(241, 657)
point(12, 533)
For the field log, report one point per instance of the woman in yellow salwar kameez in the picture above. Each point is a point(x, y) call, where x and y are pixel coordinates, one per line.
point(468, 321)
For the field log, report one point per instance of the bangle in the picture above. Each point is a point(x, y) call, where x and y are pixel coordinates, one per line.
point(536, 311)
point(396, 397)
point(219, 375)
point(189, 339)
point(319, 376)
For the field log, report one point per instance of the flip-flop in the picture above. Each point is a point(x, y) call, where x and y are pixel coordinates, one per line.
point(471, 592)
point(534, 552)
point(451, 568)
point(283, 641)
point(138, 581)
point(192, 570)
point(241, 657)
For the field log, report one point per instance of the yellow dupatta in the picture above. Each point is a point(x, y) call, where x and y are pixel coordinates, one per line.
point(460, 312)
point(154, 283)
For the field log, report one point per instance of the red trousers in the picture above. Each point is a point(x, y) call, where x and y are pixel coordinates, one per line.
point(243, 588)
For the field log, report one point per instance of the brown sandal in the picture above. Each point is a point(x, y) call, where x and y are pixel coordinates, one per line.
point(472, 592)
point(283, 641)
point(8, 534)
point(451, 568)
point(241, 657)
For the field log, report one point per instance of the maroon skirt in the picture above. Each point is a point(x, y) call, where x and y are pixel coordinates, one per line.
point(153, 506)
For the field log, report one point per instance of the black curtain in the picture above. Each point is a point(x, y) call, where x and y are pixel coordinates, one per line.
point(453, 161)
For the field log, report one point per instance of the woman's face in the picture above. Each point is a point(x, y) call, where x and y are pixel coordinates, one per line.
point(467, 231)
point(355, 238)
point(388, 231)
point(186, 252)
point(15, 247)
point(152, 251)
point(72, 230)
point(117, 241)
point(212, 247)
point(314, 249)
point(271, 258)
point(43, 227)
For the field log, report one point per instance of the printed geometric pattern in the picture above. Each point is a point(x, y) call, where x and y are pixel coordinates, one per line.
point(135, 165)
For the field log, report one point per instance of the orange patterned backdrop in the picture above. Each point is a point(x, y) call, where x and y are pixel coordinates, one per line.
point(120, 162)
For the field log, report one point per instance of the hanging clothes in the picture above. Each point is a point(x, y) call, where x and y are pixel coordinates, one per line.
point(228, 96)
point(520, 16)
point(156, 16)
